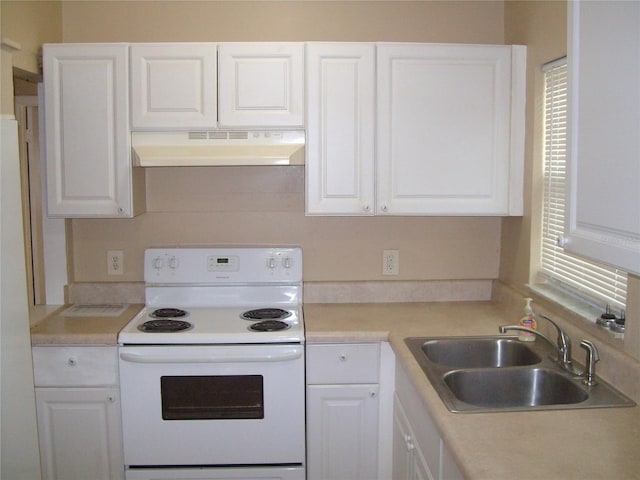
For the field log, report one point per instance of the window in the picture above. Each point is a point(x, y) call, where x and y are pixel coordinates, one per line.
point(600, 284)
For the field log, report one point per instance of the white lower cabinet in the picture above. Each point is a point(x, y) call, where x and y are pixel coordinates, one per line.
point(408, 461)
point(343, 399)
point(78, 407)
point(343, 431)
point(418, 450)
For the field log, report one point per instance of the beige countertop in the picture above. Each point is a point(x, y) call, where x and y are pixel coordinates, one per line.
point(57, 328)
point(562, 444)
point(576, 444)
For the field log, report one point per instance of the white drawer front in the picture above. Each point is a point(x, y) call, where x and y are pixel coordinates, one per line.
point(343, 363)
point(75, 366)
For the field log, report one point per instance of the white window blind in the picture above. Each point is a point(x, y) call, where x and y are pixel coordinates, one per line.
point(600, 283)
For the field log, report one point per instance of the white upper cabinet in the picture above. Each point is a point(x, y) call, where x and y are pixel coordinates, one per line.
point(261, 84)
point(173, 85)
point(442, 134)
point(603, 203)
point(88, 146)
point(450, 130)
point(340, 128)
point(182, 86)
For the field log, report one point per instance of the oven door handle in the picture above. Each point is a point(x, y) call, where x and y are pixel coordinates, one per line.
point(292, 353)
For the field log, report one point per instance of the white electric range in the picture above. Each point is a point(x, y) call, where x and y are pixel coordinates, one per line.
point(212, 368)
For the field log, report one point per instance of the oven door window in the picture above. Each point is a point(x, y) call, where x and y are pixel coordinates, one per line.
point(212, 397)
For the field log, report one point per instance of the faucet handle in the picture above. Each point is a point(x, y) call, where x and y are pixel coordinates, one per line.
point(591, 349)
point(590, 364)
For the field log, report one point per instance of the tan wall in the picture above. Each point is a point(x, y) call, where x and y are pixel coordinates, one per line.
point(542, 26)
point(29, 25)
point(266, 205)
point(141, 21)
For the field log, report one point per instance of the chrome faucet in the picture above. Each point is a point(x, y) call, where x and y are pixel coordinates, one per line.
point(563, 341)
point(590, 364)
point(563, 349)
point(562, 344)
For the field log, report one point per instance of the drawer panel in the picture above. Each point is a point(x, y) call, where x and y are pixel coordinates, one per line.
point(65, 366)
point(343, 363)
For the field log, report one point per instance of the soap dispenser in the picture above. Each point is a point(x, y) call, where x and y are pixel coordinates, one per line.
point(529, 321)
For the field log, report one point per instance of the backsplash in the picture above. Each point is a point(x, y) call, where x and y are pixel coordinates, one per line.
point(314, 292)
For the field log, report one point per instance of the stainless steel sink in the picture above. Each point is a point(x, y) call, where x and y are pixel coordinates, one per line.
point(501, 374)
point(479, 352)
point(529, 387)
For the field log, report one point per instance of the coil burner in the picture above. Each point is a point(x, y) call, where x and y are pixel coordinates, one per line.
point(169, 313)
point(269, 326)
point(164, 326)
point(266, 314)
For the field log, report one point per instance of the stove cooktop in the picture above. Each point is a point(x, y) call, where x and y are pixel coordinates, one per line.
point(235, 295)
point(208, 325)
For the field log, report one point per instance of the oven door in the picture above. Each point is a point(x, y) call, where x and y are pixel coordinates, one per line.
point(213, 405)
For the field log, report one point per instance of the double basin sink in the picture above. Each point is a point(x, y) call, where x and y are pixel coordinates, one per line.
point(500, 373)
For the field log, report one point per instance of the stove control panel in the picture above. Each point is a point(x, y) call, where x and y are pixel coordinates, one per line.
point(238, 265)
point(224, 263)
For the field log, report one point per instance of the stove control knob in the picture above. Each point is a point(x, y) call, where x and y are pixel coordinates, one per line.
point(158, 263)
point(173, 263)
point(271, 263)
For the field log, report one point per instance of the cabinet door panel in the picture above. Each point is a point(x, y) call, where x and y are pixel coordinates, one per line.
point(80, 434)
point(261, 84)
point(401, 462)
point(87, 136)
point(173, 86)
point(444, 129)
point(340, 120)
point(342, 431)
point(603, 204)
point(408, 459)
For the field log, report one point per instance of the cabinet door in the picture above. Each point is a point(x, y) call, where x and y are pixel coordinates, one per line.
point(80, 434)
point(342, 432)
point(402, 444)
point(261, 84)
point(87, 131)
point(173, 86)
point(340, 128)
point(603, 201)
point(445, 130)
point(408, 459)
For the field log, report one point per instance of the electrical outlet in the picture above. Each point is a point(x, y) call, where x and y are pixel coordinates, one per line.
point(115, 262)
point(390, 262)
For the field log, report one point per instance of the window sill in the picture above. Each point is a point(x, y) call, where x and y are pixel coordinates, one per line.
point(576, 311)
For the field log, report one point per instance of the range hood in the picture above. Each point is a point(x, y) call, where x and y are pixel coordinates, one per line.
point(217, 148)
